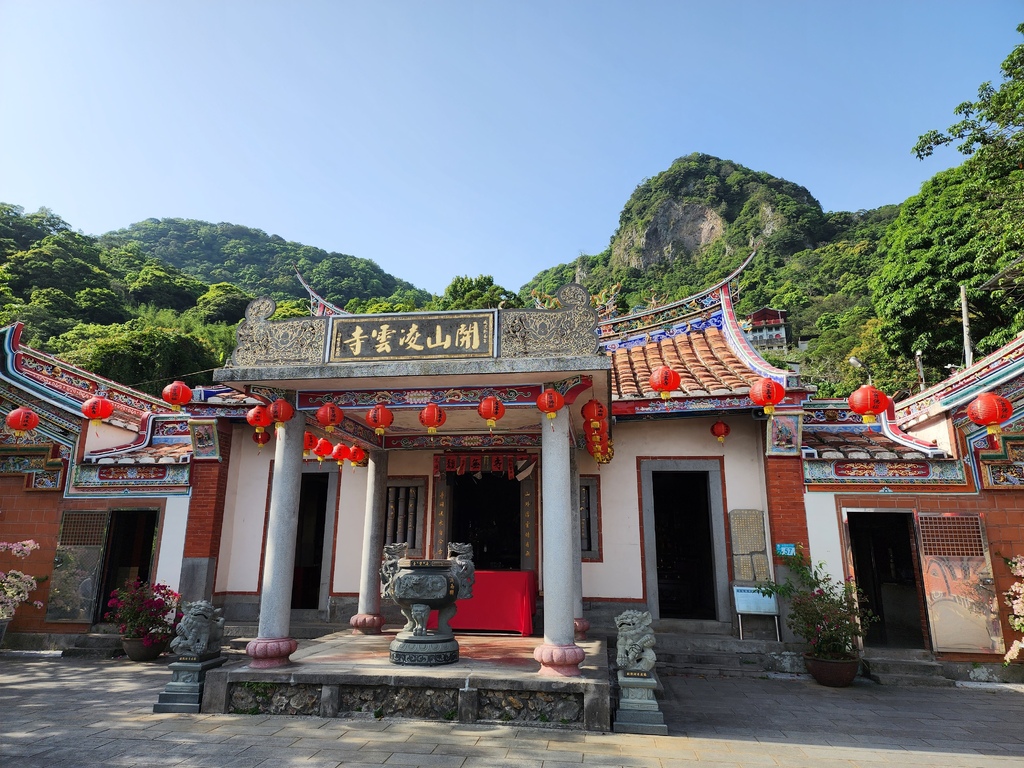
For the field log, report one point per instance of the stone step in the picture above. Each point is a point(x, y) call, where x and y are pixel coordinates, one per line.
point(697, 658)
point(907, 654)
point(299, 631)
point(692, 627)
point(95, 645)
point(708, 670)
point(900, 666)
point(911, 679)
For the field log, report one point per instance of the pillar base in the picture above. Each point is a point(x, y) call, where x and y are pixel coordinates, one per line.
point(268, 652)
point(366, 623)
point(579, 628)
point(559, 660)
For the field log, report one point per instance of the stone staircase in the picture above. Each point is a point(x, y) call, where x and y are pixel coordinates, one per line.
point(101, 642)
point(304, 625)
point(708, 648)
point(903, 666)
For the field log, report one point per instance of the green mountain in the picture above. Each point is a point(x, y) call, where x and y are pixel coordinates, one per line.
point(258, 263)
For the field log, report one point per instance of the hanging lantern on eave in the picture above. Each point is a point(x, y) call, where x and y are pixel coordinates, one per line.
point(22, 420)
point(720, 430)
point(308, 443)
point(280, 412)
point(327, 415)
point(96, 409)
point(595, 412)
point(432, 417)
point(598, 433)
point(261, 439)
point(989, 410)
point(357, 455)
point(550, 402)
point(323, 449)
point(258, 417)
point(491, 409)
point(176, 394)
point(868, 402)
point(380, 418)
point(664, 380)
point(767, 393)
point(340, 453)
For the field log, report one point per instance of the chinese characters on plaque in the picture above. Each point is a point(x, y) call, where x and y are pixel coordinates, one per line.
point(412, 337)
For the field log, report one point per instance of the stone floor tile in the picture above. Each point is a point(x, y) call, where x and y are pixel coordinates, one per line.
point(413, 758)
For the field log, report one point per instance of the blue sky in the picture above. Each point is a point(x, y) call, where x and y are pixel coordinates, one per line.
point(463, 138)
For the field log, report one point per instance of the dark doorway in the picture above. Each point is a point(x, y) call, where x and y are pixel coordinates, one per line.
point(682, 532)
point(883, 562)
point(309, 541)
point(485, 513)
point(131, 539)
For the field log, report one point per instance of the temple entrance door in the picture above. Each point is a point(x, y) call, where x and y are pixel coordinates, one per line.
point(131, 537)
point(685, 558)
point(485, 512)
point(886, 570)
point(309, 541)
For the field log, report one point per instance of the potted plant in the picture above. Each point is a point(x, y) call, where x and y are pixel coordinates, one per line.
point(827, 614)
point(15, 585)
point(1014, 597)
point(146, 615)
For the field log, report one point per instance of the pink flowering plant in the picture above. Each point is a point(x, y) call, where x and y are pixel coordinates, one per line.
point(16, 586)
point(1015, 599)
point(828, 614)
point(144, 611)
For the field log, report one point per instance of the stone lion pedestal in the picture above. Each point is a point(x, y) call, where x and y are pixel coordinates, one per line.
point(638, 710)
point(197, 643)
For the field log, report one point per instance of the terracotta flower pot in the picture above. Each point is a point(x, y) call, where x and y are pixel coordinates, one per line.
point(835, 673)
point(136, 650)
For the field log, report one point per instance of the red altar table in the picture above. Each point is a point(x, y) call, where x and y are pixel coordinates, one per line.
point(502, 601)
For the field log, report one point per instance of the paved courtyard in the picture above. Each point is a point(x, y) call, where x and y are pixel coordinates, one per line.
point(60, 713)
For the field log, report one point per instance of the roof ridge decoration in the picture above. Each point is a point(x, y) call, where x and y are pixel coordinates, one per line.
point(957, 390)
point(318, 305)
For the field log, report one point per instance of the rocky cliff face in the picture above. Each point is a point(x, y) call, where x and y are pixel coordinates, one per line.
point(676, 228)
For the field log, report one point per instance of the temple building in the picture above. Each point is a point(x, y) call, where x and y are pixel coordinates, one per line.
point(537, 436)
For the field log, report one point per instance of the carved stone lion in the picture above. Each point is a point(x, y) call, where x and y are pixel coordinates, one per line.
point(200, 630)
point(633, 648)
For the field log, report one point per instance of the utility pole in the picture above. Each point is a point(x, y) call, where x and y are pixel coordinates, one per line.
point(919, 362)
point(968, 350)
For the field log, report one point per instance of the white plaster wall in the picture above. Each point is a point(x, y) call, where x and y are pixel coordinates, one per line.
point(245, 506)
point(104, 436)
point(823, 532)
point(619, 575)
point(172, 541)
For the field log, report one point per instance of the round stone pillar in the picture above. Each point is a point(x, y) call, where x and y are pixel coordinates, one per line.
point(368, 619)
point(580, 624)
point(273, 646)
point(558, 655)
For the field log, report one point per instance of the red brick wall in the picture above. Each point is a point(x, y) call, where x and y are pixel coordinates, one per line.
point(787, 516)
point(206, 507)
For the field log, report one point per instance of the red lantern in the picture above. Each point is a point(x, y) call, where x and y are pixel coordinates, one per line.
point(664, 380)
point(868, 402)
point(177, 395)
point(357, 455)
point(308, 443)
point(720, 430)
point(595, 412)
point(258, 417)
point(989, 410)
point(491, 409)
point(432, 417)
point(340, 453)
point(96, 409)
point(323, 449)
point(22, 420)
point(550, 403)
point(599, 432)
point(280, 412)
point(328, 415)
point(767, 393)
point(380, 418)
point(261, 439)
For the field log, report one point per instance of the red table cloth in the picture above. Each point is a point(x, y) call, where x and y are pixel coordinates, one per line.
point(503, 601)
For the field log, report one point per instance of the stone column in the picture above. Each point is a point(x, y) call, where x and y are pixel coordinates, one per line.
point(273, 646)
point(368, 620)
point(580, 624)
point(558, 655)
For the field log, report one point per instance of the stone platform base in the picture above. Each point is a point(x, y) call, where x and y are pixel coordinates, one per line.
point(423, 651)
point(638, 708)
point(495, 680)
point(188, 677)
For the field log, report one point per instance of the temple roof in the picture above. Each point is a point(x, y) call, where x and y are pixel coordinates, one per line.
point(862, 443)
